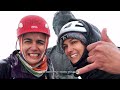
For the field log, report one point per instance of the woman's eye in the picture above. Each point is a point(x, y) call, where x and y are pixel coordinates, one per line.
point(27, 41)
point(64, 47)
point(40, 42)
point(73, 42)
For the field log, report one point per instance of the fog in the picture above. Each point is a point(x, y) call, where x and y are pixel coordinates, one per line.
point(9, 22)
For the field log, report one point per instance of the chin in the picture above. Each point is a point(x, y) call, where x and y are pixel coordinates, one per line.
point(74, 61)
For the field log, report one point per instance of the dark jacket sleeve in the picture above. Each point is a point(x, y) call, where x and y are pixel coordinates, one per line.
point(99, 74)
point(4, 69)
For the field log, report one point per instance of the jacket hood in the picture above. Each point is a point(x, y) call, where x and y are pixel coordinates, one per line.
point(92, 35)
point(60, 18)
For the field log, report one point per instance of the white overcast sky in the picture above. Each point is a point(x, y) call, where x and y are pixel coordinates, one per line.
point(9, 21)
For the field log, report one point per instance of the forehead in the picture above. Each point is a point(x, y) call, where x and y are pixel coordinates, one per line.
point(34, 34)
point(70, 39)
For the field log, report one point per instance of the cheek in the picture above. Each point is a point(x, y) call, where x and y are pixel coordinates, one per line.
point(25, 48)
point(41, 48)
point(65, 52)
point(82, 50)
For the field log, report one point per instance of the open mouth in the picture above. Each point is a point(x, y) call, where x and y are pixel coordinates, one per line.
point(34, 55)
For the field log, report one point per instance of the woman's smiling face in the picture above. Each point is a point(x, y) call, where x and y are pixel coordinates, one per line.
point(33, 47)
point(74, 49)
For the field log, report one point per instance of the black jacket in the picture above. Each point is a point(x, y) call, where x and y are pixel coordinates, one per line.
point(12, 68)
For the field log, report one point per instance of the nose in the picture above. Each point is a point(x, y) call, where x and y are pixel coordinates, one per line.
point(34, 46)
point(69, 49)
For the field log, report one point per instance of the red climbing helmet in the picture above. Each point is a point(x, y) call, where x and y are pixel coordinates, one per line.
point(32, 23)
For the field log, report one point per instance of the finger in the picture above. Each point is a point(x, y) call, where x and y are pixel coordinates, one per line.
point(86, 68)
point(105, 36)
point(92, 52)
point(93, 45)
point(90, 59)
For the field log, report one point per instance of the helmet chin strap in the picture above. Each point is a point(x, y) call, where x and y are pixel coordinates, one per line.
point(42, 56)
point(16, 44)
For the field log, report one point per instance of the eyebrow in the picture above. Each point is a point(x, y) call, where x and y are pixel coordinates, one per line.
point(31, 39)
point(69, 40)
point(27, 39)
point(41, 41)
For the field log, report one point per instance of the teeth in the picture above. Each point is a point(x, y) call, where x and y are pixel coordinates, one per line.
point(34, 55)
point(74, 55)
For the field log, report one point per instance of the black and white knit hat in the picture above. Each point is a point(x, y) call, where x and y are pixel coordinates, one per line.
point(73, 29)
